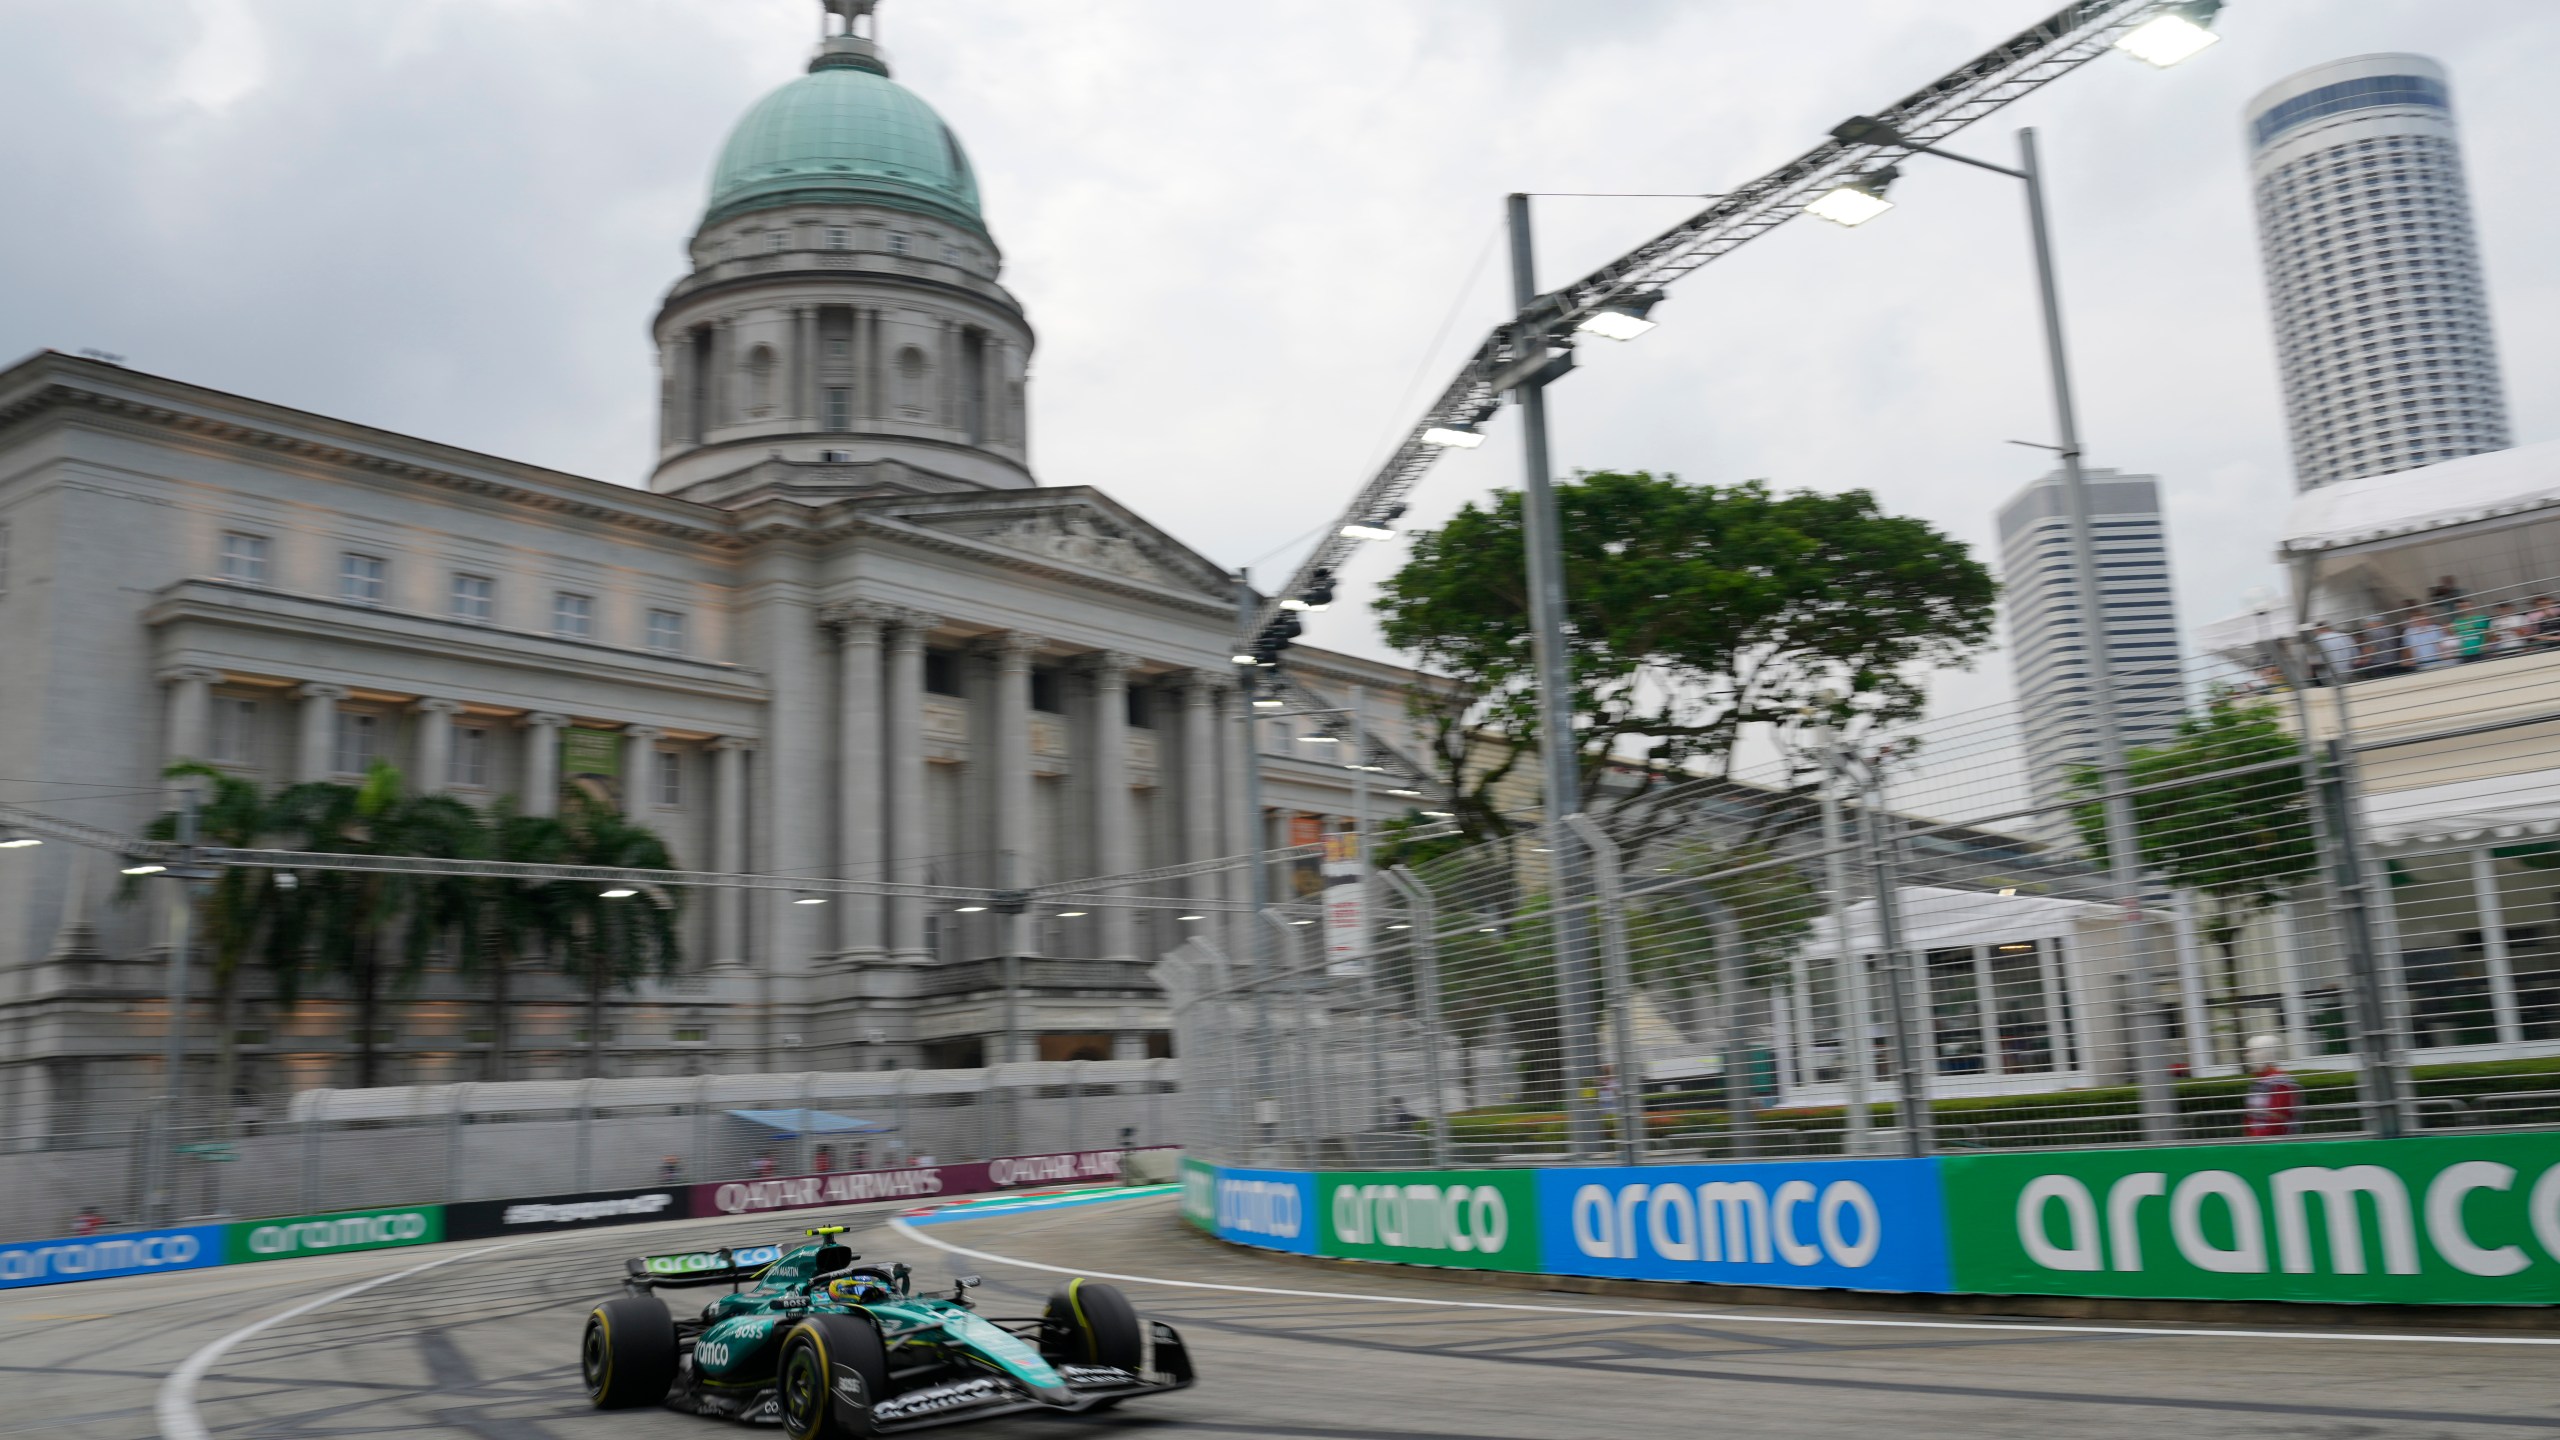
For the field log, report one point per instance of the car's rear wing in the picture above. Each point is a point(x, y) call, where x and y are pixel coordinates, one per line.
point(727, 1266)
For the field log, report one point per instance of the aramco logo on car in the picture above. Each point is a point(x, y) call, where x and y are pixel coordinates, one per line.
point(1274, 1209)
point(1479, 1219)
point(1863, 1224)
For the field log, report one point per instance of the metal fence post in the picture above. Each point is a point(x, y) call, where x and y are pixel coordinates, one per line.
point(586, 1132)
point(1309, 1118)
point(1911, 1081)
point(1608, 899)
point(453, 1143)
point(314, 1126)
point(1424, 928)
point(702, 1168)
point(1849, 968)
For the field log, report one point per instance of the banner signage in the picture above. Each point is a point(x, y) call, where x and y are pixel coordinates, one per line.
point(1476, 1219)
point(1852, 1224)
point(104, 1257)
point(591, 766)
point(2449, 1219)
point(1275, 1209)
point(919, 1182)
point(1346, 938)
point(1200, 1194)
point(255, 1240)
point(480, 1219)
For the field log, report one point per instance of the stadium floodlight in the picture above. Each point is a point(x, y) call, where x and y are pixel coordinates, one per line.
point(2174, 34)
point(1320, 739)
point(1245, 657)
point(1623, 319)
point(1071, 914)
point(17, 840)
point(144, 868)
point(1439, 814)
point(1453, 437)
point(1363, 530)
point(619, 893)
point(967, 909)
point(1404, 793)
point(1268, 700)
point(1190, 917)
point(1856, 201)
point(809, 900)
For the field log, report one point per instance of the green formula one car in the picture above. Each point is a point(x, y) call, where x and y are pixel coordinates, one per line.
point(827, 1347)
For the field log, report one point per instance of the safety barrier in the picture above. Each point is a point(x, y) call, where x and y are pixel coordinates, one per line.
point(195, 1247)
point(2453, 1219)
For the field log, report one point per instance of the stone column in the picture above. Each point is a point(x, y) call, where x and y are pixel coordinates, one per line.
point(1012, 653)
point(1200, 768)
point(909, 829)
point(1246, 835)
point(319, 731)
point(541, 793)
point(729, 847)
point(802, 406)
point(639, 769)
point(434, 764)
point(1113, 852)
point(868, 381)
point(858, 773)
point(191, 712)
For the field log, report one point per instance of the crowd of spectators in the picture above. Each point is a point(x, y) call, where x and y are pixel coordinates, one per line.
point(2448, 628)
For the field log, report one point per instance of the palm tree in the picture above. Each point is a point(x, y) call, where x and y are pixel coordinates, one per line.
point(239, 910)
point(616, 940)
point(517, 919)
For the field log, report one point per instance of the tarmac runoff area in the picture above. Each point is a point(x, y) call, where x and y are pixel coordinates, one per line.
point(478, 1340)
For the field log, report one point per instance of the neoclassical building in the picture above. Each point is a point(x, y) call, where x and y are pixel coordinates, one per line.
point(842, 631)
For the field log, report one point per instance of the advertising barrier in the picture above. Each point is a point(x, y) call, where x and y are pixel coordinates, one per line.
point(282, 1239)
point(480, 1219)
point(1275, 1209)
point(1842, 1224)
point(2429, 1220)
point(1475, 1219)
point(103, 1257)
point(915, 1182)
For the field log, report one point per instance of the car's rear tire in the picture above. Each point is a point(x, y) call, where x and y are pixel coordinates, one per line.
point(1090, 1323)
point(820, 1358)
point(628, 1355)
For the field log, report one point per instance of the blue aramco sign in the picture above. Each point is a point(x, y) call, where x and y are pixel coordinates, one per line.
point(1854, 1224)
point(103, 1257)
point(1275, 1209)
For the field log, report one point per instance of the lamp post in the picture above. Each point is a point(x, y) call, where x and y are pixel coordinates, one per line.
point(1863, 199)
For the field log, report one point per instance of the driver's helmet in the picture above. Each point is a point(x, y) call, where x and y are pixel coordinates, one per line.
point(858, 1289)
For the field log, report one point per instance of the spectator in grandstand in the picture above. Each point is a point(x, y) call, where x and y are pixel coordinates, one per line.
point(824, 1162)
point(2428, 644)
point(2546, 620)
point(2444, 592)
point(2470, 635)
point(671, 1170)
point(2510, 629)
point(88, 1222)
point(762, 1167)
point(2274, 1104)
point(2337, 652)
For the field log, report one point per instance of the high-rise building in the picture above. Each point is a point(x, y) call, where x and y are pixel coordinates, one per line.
point(2048, 639)
point(2382, 321)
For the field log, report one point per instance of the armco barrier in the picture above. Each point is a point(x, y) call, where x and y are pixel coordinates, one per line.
point(2452, 1219)
point(104, 1257)
point(2430, 1220)
point(283, 1239)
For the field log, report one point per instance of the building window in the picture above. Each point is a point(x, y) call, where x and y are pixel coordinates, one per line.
point(469, 762)
point(898, 242)
point(666, 632)
point(1047, 694)
point(475, 598)
point(1142, 710)
point(363, 579)
point(573, 615)
point(244, 558)
point(235, 730)
point(941, 673)
point(359, 742)
point(761, 363)
point(774, 240)
point(839, 238)
point(839, 408)
point(671, 777)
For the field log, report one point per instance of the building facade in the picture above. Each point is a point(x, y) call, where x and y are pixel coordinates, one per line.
point(2049, 638)
point(842, 632)
point(2373, 270)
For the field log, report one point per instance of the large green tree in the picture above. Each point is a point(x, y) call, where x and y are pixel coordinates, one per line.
point(616, 941)
point(2222, 809)
point(1692, 611)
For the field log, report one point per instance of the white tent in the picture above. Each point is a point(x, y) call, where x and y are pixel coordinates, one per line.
point(2491, 521)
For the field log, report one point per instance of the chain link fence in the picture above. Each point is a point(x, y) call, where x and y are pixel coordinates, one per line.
point(2343, 919)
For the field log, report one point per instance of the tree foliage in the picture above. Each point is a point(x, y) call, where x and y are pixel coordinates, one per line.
point(1692, 612)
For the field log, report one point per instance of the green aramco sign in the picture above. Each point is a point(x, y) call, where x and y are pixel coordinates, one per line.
point(2434, 1220)
point(1478, 1219)
point(328, 1234)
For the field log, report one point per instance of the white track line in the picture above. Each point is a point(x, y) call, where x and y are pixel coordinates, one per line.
point(1744, 1317)
point(177, 1403)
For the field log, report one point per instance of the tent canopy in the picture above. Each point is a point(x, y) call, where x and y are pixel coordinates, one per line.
point(811, 1122)
point(2517, 486)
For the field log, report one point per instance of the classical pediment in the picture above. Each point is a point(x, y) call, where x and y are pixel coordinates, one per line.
point(1078, 532)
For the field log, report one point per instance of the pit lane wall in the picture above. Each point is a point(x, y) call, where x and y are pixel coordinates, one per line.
point(108, 1255)
point(2471, 1220)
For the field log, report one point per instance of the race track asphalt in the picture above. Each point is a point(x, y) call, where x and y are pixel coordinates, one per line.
point(485, 1346)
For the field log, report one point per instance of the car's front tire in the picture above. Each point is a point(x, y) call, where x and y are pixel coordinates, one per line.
point(1090, 1323)
point(628, 1355)
point(825, 1359)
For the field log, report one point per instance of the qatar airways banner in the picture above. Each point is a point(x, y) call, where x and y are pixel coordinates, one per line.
point(915, 1182)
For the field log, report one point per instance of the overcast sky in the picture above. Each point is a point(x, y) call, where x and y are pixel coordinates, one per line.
point(1237, 229)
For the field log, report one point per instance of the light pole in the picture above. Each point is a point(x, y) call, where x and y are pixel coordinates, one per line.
point(1863, 200)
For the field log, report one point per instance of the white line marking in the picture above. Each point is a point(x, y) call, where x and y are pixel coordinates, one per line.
point(177, 1403)
point(1728, 1317)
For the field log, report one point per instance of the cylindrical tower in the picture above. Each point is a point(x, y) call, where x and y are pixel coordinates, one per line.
point(843, 311)
point(2373, 274)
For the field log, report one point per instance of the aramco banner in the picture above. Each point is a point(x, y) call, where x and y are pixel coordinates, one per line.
point(1849, 1224)
point(2446, 1219)
point(1275, 1209)
point(103, 1257)
point(327, 1234)
point(1477, 1219)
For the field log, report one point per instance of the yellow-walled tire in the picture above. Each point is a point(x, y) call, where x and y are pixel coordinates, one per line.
point(628, 1354)
point(1090, 1323)
point(833, 1369)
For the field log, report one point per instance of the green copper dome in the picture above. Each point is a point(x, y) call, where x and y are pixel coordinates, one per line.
point(845, 133)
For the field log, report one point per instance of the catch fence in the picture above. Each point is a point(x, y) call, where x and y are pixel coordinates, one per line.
point(1905, 940)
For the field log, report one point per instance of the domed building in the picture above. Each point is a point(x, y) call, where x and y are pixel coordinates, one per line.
point(840, 631)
